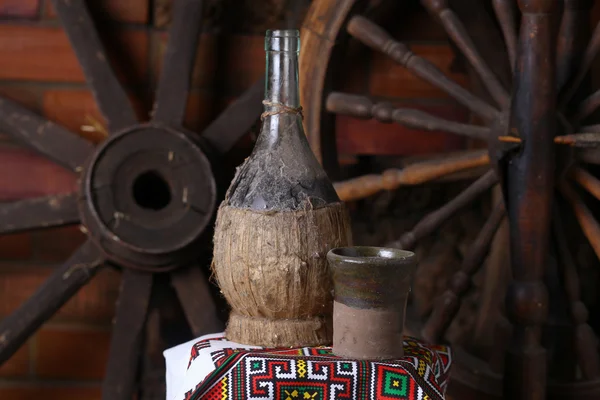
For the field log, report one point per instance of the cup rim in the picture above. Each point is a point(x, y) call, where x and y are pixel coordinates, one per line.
point(382, 255)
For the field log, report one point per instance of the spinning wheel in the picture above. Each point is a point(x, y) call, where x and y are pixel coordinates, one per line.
point(146, 198)
point(540, 150)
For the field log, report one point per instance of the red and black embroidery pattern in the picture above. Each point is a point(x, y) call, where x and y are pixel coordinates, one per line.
point(315, 373)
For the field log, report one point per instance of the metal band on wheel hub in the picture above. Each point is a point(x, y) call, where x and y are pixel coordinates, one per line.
point(148, 195)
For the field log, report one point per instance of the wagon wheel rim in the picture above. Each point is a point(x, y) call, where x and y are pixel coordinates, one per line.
point(574, 61)
point(112, 163)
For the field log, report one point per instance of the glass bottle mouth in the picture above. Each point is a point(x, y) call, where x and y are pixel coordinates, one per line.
point(282, 40)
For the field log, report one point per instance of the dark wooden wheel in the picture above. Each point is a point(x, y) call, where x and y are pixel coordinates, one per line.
point(146, 198)
point(534, 137)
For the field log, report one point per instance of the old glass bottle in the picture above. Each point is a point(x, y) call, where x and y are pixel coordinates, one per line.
point(286, 174)
point(280, 217)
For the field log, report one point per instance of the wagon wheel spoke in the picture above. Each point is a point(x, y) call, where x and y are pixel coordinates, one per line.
point(589, 225)
point(571, 38)
point(589, 56)
point(589, 156)
point(421, 172)
point(436, 218)
point(236, 119)
point(127, 335)
point(45, 137)
point(588, 106)
point(178, 63)
point(191, 286)
point(506, 12)
point(42, 212)
point(363, 107)
point(457, 32)
point(108, 92)
point(494, 283)
point(448, 304)
point(585, 338)
point(591, 128)
point(64, 282)
point(589, 139)
point(582, 140)
point(587, 181)
point(375, 37)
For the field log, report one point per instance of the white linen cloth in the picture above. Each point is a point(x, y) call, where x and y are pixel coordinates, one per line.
point(179, 378)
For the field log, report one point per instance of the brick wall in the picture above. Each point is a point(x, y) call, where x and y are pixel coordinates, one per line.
point(66, 358)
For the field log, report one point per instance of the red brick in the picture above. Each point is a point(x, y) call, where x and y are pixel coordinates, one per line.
point(37, 53)
point(18, 365)
point(31, 175)
point(45, 54)
point(73, 109)
point(24, 9)
point(245, 61)
point(71, 353)
point(132, 11)
point(389, 79)
point(57, 244)
point(358, 136)
point(94, 303)
point(16, 247)
point(39, 390)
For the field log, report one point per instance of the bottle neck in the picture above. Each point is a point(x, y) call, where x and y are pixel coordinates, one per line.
point(282, 73)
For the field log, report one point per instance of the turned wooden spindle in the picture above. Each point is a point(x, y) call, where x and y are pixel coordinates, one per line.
point(588, 181)
point(436, 218)
point(585, 340)
point(506, 13)
point(588, 106)
point(457, 32)
point(448, 304)
point(530, 182)
point(414, 174)
point(363, 107)
point(582, 140)
point(573, 37)
point(378, 39)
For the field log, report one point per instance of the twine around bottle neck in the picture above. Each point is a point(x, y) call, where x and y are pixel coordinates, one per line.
point(280, 108)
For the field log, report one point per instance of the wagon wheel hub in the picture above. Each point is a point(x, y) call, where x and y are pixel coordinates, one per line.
point(147, 196)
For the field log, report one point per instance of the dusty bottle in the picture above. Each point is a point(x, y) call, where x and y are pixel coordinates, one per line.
point(371, 290)
point(280, 217)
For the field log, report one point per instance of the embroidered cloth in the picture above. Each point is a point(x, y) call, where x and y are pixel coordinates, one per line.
point(218, 369)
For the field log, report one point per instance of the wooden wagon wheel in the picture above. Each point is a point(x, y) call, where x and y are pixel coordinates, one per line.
point(146, 197)
point(535, 151)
